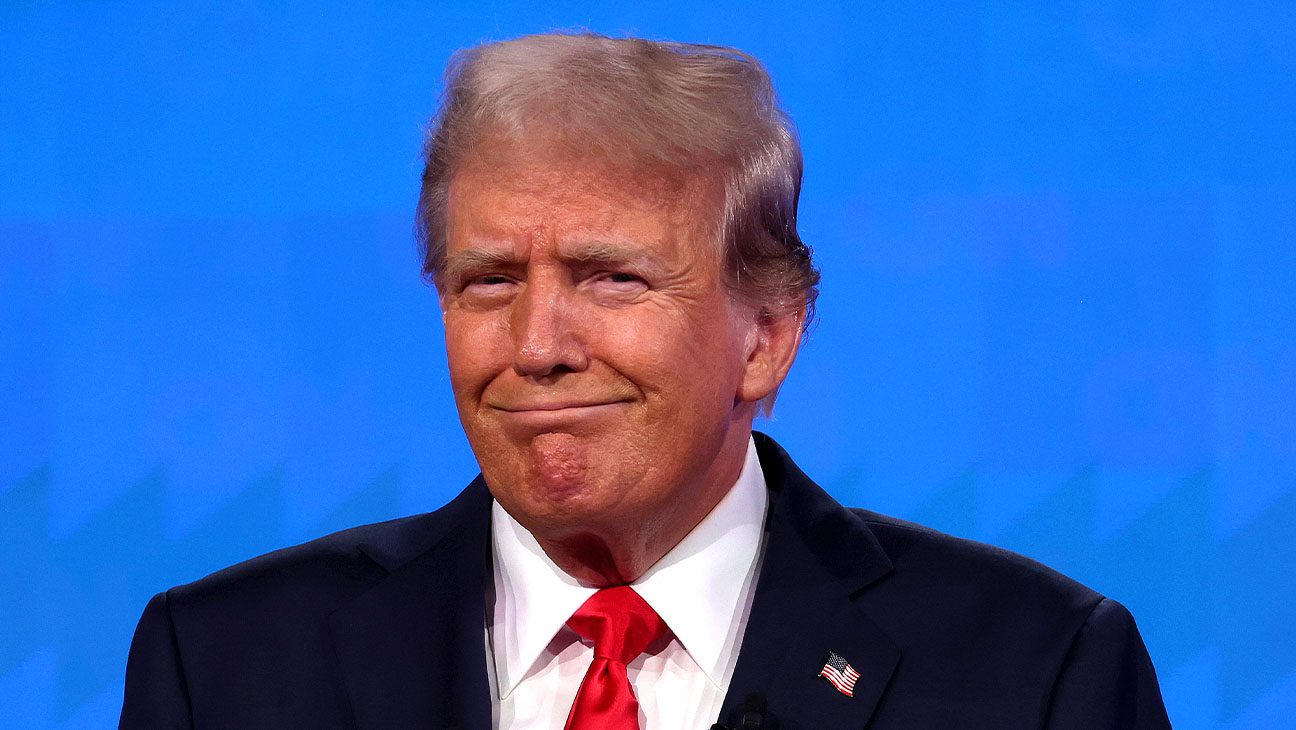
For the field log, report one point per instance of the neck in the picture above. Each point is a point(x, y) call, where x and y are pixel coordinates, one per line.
point(594, 560)
point(619, 554)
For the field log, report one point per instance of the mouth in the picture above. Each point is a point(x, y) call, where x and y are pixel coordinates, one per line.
point(555, 406)
point(559, 415)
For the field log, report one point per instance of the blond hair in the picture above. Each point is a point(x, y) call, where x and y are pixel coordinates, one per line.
point(693, 109)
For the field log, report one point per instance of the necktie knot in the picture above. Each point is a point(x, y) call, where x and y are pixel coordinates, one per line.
point(619, 622)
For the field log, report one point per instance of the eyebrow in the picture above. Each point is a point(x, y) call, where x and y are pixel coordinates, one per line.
point(477, 259)
point(610, 253)
point(603, 252)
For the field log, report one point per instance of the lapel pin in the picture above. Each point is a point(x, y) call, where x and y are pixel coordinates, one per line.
point(840, 674)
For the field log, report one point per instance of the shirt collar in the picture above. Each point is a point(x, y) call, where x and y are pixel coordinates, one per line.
point(697, 588)
point(533, 600)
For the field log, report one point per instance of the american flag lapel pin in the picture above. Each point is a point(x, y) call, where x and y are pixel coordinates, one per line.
point(840, 673)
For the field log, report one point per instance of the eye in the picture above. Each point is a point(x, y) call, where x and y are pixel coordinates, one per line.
point(620, 282)
point(486, 286)
point(486, 281)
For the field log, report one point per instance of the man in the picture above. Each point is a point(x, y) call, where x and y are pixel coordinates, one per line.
point(611, 229)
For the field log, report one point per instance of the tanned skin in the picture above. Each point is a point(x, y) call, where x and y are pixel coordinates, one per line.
point(605, 375)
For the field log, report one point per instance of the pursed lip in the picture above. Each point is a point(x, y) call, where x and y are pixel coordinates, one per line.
point(554, 406)
point(561, 415)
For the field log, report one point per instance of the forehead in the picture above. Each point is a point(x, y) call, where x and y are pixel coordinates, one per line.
point(551, 197)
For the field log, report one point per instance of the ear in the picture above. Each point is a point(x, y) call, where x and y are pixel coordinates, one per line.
point(771, 346)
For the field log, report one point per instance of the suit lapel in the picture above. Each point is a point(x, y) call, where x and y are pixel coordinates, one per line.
point(412, 653)
point(819, 556)
point(411, 648)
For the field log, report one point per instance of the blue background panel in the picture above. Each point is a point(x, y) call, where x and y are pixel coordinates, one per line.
point(1058, 243)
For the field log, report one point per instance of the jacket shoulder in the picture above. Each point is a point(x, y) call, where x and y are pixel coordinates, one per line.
point(974, 593)
point(1006, 635)
point(333, 567)
point(317, 576)
point(253, 640)
point(926, 555)
point(330, 560)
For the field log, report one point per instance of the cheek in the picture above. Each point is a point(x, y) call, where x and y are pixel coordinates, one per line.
point(644, 345)
point(475, 350)
point(684, 355)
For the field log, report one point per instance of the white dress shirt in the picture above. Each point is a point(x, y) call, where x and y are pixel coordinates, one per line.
point(702, 588)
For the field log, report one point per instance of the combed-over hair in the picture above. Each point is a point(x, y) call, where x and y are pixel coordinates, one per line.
point(701, 110)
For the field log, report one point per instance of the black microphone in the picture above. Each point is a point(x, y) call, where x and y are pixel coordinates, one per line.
point(755, 715)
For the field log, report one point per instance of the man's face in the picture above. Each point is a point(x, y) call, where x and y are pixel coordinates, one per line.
point(599, 365)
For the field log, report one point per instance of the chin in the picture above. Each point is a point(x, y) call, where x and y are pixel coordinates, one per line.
point(557, 478)
point(560, 470)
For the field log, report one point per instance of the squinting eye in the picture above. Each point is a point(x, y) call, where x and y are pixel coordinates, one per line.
point(486, 281)
point(486, 285)
point(618, 285)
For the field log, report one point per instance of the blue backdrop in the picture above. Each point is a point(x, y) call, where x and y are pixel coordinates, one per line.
point(1058, 250)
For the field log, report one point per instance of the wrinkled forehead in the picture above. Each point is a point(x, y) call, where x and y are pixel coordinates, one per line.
point(541, 152)
point(531, 180)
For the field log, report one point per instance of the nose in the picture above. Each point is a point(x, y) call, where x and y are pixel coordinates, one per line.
point(545, 337)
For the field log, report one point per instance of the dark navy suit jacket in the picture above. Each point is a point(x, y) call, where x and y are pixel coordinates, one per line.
point(381, 627)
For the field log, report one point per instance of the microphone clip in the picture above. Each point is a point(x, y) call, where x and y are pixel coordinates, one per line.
point(755, 716)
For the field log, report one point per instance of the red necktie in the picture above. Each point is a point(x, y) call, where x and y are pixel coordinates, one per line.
point(621, 625)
